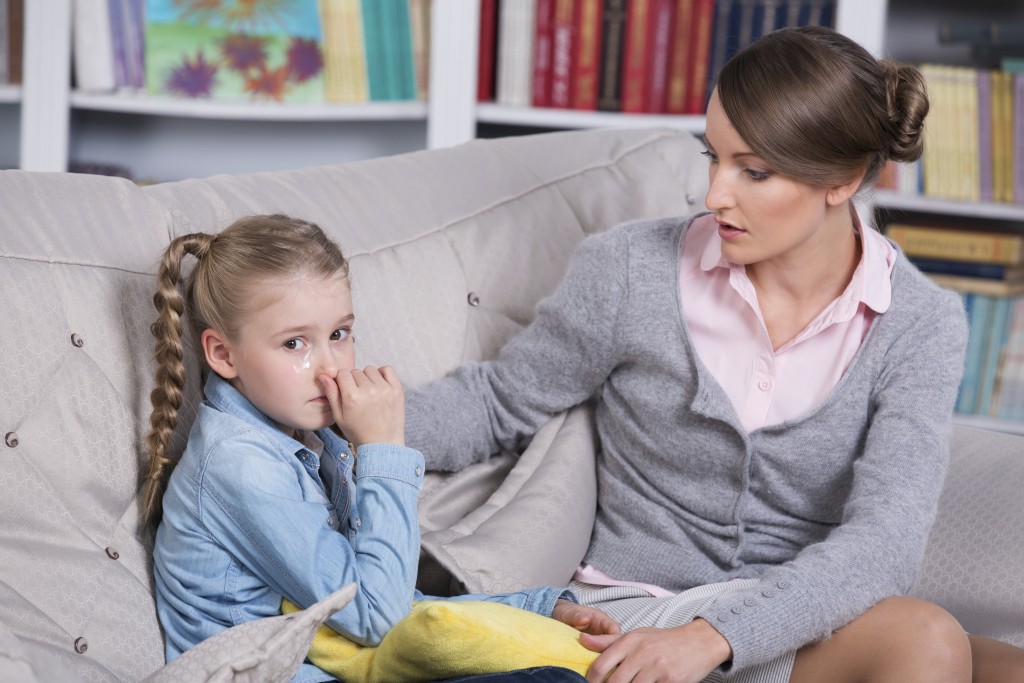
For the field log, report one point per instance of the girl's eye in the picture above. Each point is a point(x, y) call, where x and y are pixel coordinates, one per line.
point(294, 344)
point(340, 334)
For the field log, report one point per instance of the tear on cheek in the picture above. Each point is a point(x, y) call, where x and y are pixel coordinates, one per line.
point(305, 363)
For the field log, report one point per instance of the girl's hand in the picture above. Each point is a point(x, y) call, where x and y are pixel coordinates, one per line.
point(586, 619)
point(685, 654)
point(368, 404)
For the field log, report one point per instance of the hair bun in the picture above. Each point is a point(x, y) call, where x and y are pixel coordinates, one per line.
point(907, 106)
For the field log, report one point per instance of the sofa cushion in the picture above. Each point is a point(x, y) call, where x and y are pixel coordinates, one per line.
point(972, 565)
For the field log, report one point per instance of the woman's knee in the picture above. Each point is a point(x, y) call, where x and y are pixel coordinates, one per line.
point(924, 632)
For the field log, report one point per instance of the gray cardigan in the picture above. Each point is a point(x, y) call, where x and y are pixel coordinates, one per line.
point(830, 511)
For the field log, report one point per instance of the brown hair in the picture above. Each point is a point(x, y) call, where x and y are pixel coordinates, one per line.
point(819, 108)
point(217, 295)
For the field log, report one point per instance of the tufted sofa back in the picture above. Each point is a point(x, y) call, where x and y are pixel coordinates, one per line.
point(450, 251)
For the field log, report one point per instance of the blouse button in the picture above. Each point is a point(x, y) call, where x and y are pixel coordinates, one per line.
point(764, 385)
point(113, 554)
point(473, 298)
point(77, 340)
point(11, 439)
point(81, 645)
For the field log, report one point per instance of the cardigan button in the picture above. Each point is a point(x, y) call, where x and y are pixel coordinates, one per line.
point(81, 645)
point(11, 439)
point(473, 298)
point(77, 340)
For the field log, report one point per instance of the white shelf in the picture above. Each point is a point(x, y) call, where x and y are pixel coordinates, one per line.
point(947, 207)
point(575, 118)
point(991, 423)
point(251, 111)
point(10, 94)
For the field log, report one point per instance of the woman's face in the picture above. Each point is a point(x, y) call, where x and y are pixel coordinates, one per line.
point(762, 215)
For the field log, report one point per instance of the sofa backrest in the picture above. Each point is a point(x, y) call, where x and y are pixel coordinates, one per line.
point(450, 251)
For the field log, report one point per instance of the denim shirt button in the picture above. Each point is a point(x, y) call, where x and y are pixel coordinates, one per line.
point(344, 456)
point(357, 523)
point(419, 471)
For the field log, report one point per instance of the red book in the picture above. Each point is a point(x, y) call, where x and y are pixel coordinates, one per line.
point(679, 57)
point(563, 32)
point(700, 56)
point(587, 56)
point(488, 45)
point(659, 42)
point(543, 34)
point(635, 57)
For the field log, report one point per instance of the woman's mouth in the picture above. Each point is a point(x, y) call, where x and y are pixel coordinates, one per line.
point(729, 232)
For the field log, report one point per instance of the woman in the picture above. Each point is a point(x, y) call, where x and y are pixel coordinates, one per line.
point(775, 385)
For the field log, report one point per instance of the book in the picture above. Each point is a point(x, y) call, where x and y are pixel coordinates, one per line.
point(956, 244)
point(700, 56)
point(978, 285)
point(92, 46)
point(197, 50)
point(984, 32)
point(419, 24)
point(543, 37)
point(486, 50)
point(1009, 399)
point(659, 48)
point(586, 60)
point(988, 271)
point(15, 40)
point(1016, 151)
point(563, 39)
point(345, 75)
point(979, 307)
point(613, 27)
point(996, 336)
point(723, 39)
point(4, 38)
point(635, 56)
point(679, 57)
point(515, 52)
point(398, 30)
point(985, 165)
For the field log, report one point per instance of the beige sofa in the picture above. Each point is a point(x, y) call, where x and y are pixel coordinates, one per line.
point(450, 251)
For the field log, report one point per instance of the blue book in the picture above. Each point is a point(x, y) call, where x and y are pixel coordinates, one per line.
point(998, 331)
point(979, 307)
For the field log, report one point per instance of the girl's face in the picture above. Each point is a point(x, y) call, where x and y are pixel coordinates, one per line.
point(298, 329)
point(763, 215)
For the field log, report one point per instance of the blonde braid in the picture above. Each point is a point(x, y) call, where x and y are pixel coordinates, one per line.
point(167, 395)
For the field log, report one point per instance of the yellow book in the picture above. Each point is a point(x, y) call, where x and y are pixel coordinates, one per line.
point(932, 129)
point(331, 49)
point(998, 143)
point(971, 153)
point(1010, 143)
point(959, 245)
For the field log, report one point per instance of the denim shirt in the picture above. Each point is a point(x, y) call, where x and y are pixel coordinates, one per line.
point(252, 516)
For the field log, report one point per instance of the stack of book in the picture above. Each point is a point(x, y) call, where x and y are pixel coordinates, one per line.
point(987, 269)
point(12, 20)
point(631, 56)
point(350, 51)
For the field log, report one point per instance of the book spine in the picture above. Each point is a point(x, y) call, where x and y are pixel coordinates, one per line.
point(700, 56)
point(678, 64)
point(980, 307)
point(1018, 139)
point(982, 32)
point(5, 37)
point(406, 84)
point(995, 341)
point(135, 43)
point(988, 271)
point(563, 38)
point(356, 77)
point(16, 38)
point(609, 95)
point(1010, 401)
point(419, 25)
point(634, 65)
point(117, 38)
point(488, 45)
point(331, 50)
point(942, 243)
point(719, 42)
point(659, 48)
point(376, 64)
point(543, 38)
point(93, 49)
point(587, 57)
point(984, 155)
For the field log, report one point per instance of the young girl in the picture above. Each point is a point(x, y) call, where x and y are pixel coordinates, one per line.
point(775, 386)
point(266, 502)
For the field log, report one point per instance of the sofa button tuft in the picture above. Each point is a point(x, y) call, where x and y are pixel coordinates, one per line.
point(77, 340)
point(690, 199)
point(81, 645)
point(11, 439)
point(473, 298)
point(112, 554)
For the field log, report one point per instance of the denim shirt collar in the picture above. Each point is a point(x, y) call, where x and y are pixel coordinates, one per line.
point(221, 395)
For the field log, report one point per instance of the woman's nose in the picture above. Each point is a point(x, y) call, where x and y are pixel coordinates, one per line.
point(719, 194)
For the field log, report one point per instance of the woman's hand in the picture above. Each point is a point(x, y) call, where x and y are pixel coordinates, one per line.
point(586, 619)
point(368, 404)
point(685, 654)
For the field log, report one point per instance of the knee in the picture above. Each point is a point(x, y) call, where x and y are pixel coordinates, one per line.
point(928, 634)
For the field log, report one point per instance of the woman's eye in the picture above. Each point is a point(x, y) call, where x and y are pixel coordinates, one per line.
point(758, 175)
point(339, 334)
point(711, 156)
point(294, 344)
